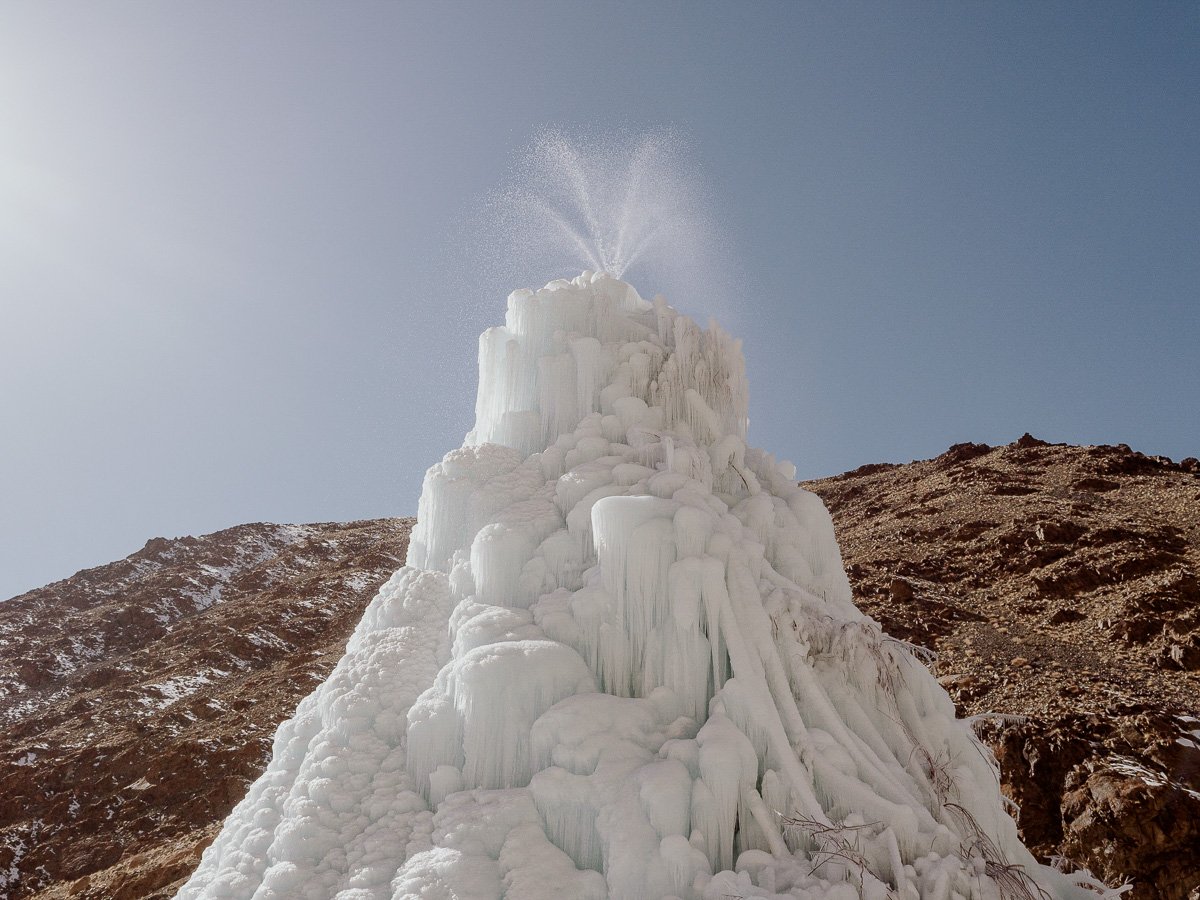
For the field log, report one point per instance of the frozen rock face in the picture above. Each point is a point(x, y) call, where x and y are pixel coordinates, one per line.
point(622, 661)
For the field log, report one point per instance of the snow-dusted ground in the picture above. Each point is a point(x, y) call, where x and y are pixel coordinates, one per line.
point(622, 661)
point(71, 653)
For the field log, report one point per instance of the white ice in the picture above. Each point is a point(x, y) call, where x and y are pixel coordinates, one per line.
point(622, 662)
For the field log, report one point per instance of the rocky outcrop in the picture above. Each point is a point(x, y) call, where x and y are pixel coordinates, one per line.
point(139, 699)
point(1057, 584)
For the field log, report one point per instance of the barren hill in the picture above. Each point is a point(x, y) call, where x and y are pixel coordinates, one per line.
point(140, 698)
point(1058, 584)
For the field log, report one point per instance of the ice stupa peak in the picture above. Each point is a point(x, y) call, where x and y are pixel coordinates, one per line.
point(547, 368)
point(621, 662)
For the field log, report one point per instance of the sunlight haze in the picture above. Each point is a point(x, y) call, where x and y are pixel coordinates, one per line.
point(238, 281)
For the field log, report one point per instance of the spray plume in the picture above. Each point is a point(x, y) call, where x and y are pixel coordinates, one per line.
point(634, 206)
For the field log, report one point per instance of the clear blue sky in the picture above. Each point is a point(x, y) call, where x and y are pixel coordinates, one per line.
point(234, 287)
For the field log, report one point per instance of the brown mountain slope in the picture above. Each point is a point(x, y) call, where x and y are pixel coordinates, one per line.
point(1055, 582)
point(140, 698)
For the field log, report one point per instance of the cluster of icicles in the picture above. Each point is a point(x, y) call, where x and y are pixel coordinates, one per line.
point(622, 662)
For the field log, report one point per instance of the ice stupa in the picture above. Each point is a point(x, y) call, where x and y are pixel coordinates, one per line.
point(622, 661)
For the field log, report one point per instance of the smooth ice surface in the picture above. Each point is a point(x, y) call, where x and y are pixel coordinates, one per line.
point(622, 662)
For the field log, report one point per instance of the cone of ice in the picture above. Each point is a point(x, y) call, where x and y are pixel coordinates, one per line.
point(622, 661)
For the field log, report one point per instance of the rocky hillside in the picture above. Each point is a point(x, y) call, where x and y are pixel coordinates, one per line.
point(1057, 584)
point(139, 699)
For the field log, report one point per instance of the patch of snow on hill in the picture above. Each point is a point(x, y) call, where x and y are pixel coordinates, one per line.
point(174, 689)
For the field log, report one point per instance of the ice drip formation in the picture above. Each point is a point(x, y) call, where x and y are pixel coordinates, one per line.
point(622, 661)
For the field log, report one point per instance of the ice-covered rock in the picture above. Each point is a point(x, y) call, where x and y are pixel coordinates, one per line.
point(622, 661)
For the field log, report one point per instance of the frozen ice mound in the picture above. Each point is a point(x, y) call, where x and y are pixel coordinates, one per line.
point(622, 662)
